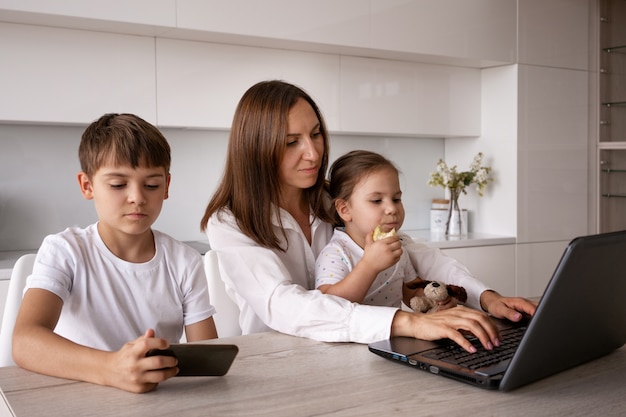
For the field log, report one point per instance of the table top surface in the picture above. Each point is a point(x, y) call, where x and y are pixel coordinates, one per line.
point(280, 375)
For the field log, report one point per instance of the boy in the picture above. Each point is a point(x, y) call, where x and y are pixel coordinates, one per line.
point(98, 297)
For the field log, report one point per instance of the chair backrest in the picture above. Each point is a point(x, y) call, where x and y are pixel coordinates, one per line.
point(21, 270)
point(227, 315)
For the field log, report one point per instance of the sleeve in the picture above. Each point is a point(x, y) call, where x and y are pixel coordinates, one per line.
point(196, 305)
point(261, 279)
point(433, 265)
point(53, 267)
point(331, 266)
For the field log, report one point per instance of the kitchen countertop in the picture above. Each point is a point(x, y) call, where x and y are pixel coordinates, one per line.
point(8, 258)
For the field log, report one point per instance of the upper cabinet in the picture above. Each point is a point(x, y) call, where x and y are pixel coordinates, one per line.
point(321, 22)
point(478, 33)
point(200, 83)
point(142, 17)
point(395, 67)
point(51, 75)
point(555, 33)
point(384, 96)
point(473, 33)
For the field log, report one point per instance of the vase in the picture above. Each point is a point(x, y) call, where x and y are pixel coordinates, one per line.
point(454, 225)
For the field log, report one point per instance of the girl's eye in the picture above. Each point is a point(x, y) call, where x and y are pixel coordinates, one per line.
point(377, 201)
point(152, 186)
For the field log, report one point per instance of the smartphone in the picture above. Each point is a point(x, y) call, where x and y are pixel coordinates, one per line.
point(200, 360)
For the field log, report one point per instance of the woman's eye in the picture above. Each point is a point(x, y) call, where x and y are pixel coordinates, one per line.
point(316, 134)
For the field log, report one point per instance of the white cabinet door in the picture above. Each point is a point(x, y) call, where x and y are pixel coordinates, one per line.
point(552, 158)
point(476, 32)
point(72, 13)
point(200, 83)
point(329, 22)
point(383, 96)
point(536, 262)
point(493, 265)
point(51, 75)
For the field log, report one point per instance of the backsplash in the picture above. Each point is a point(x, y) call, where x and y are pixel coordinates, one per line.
point(39, 192)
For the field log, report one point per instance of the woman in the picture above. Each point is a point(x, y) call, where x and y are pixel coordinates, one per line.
point(268, 221)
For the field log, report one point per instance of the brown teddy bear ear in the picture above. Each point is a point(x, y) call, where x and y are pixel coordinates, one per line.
point(457, 292)
point(417, 283)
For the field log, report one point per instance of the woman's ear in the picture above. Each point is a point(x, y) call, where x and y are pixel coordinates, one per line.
point(85, 185)
point(343, 209)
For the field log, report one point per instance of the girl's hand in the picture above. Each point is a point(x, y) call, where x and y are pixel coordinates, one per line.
point(381, 254)
point(130, 369)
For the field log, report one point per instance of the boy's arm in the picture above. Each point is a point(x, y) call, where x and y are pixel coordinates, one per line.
point(202, 330)
point(37, 348)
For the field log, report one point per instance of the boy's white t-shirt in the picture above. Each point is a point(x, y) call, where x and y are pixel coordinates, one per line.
point(108, 302)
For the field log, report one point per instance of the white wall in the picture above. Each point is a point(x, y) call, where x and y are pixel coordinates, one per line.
point(39, 193)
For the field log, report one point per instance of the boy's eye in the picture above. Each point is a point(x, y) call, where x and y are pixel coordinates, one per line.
point(117, 186)
point(152, 186)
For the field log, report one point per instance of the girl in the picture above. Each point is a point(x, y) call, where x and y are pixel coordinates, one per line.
point(365, 192)
point(268, 221)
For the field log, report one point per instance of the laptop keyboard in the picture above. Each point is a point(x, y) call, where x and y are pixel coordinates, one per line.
point(455, 354)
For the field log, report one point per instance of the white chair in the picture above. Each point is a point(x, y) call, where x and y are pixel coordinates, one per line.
point(227, 315)
point(21, 270)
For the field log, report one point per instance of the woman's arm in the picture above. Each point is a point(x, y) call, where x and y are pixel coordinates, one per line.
point(275, 289)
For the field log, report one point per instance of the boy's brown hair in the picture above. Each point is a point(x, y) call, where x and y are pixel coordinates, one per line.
point(122, 139)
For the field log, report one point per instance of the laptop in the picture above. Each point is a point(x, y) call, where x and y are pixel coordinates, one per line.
point(581, 316)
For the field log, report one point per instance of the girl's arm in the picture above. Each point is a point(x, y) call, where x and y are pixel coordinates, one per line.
point(37, 348)
point(377, 257)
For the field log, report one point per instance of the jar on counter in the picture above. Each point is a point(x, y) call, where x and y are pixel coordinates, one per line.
point(439, 216)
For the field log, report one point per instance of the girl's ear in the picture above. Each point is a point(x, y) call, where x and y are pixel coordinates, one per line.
point(343, 209)
point(85, 185)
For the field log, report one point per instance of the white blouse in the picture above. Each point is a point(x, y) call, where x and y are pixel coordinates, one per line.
point(275, 289)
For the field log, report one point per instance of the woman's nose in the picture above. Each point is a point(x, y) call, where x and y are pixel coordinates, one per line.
point(310, 151)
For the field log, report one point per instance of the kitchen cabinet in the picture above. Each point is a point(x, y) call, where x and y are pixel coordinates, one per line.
point(322, 22)
point(408, 98)
point(123, 16)
point(64, 76)
point(611, 144)
point(493, 265)
point(199, 84)
point(478, 33)
point(473, 33)
point(536, 262)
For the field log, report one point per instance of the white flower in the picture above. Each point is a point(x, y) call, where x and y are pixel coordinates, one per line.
point(457, 182)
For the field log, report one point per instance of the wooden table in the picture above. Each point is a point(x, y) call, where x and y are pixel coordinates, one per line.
point(279, 375)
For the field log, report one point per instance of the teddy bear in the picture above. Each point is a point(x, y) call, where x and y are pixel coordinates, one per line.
point(434, 292)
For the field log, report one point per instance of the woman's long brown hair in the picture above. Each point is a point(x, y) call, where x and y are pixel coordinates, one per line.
point(250, 187)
